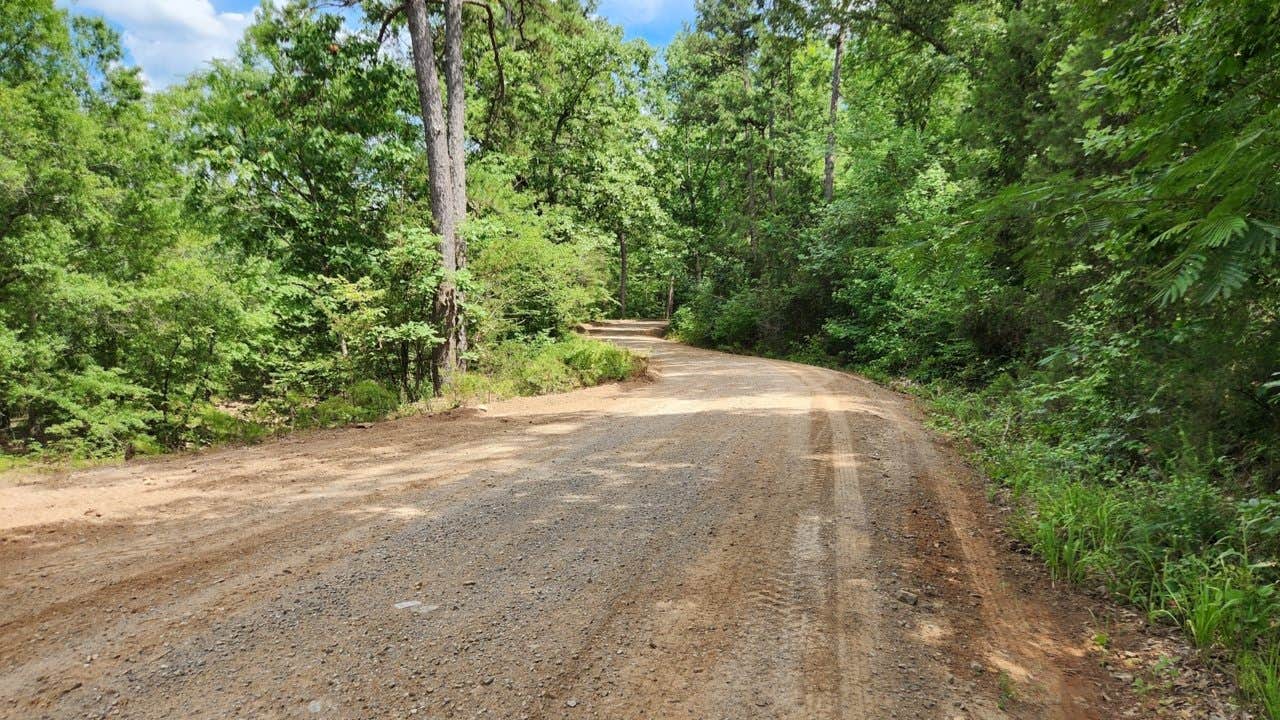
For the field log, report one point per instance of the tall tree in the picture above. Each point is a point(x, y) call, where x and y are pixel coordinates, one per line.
point(622, 271)
point(455, 84)
point(829, 161)
point(446, 172)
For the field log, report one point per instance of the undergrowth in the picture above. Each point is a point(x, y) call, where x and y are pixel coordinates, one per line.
point(508, 369)
point(1183, 537)
point(540, 366)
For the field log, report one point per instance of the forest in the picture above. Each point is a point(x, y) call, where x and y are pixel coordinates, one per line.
point(1056, 222)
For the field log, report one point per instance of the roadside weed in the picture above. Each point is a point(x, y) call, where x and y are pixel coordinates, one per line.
point(1259, 673)
point(1167, 538)
point(1101, 639)
point(1008, 691)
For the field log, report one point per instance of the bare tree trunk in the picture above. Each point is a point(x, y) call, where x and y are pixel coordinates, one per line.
point(751, 167)
point(439, 169)
point(751, 205)
point(829, 163)
point(770, 165)
point(622, 272)
point(455, 84)
point(671, 295)
point(444, 206)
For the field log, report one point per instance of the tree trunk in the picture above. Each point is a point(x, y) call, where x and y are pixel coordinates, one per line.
point(829, 163)
point(439, 167)
point(440, 170)
point(671, 295)
point(456, 87)
point(750, 145)
point(622, 271)
point(770, 165)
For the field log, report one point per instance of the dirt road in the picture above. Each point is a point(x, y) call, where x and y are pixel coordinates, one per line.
point(734, 538)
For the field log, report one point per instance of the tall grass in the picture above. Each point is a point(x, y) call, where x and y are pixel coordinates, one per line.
point(1165, 536)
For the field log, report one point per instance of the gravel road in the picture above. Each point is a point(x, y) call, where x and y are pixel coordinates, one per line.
point(732, 538)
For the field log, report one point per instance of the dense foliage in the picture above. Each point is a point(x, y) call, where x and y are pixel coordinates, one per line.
point(1059, 219)
point(253, 249)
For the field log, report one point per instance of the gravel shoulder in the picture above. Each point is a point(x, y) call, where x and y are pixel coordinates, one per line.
point(733, 538)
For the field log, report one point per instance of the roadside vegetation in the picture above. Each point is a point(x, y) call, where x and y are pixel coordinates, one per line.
point(255, 250)
point(1060, 223)
point(514, 368)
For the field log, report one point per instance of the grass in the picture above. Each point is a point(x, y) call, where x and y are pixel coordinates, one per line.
point(1168, 539)
point(13, 462)
point(1257, 673)
point(1008, 691)
point(1101, 639)
point(540, 367)
point(42, 463)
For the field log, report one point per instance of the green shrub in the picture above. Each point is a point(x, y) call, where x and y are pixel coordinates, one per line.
point(531, 283)
point(737, 322)
point(1183, 516)
point(364, 401)
point(1259, 523)
point(595, 362)
point(688, 326)
point(477, 386)
point(544, 372)
point(333, 411)
point(208, 425)
point(146, 445)
point(544, 366)
point(371, 400)
point(733, 322)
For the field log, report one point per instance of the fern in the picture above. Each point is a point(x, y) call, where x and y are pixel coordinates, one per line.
point(1220, 256)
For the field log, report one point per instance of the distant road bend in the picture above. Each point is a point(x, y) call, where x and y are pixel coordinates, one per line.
point(734, 538)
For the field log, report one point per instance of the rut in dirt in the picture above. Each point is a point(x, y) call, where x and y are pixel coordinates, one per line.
point(732, 538)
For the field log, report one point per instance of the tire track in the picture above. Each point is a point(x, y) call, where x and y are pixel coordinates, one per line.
point(728, 541)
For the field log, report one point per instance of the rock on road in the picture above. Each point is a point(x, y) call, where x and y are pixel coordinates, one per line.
point(733, 538)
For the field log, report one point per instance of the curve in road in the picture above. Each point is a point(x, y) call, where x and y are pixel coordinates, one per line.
point(733, 537)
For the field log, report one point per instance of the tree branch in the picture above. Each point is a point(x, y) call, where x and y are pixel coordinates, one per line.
point(386, 21)
point(501, 92)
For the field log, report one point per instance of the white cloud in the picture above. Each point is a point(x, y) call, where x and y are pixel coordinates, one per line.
point(170, 38)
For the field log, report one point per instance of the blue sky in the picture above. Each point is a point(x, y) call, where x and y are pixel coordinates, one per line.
point(170, 38)
point(654, 20)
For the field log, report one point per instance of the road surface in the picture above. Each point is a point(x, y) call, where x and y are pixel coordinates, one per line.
point(732, 538)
